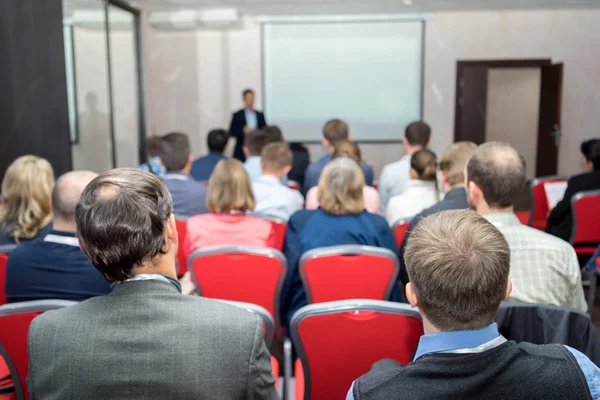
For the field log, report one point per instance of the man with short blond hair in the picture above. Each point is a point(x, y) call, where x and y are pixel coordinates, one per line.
point(273, 198)
point(459, 265)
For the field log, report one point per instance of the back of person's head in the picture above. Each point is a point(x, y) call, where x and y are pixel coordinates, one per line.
point(454, 161)
point(121, 219)
point(152, 144)
point(174, 151)
point(217, 140)
point(67, 193)
point(495, 174)
point(341, 186)
point(594, 155)
point(229, 188)
point(347, 148)
point(276, 157)
point(424, 165)
point(458, 265)
point(255, 142)
point(417, 134)
point(586, 147)
point(274, 133)
point(335, 130)
point(26, 191)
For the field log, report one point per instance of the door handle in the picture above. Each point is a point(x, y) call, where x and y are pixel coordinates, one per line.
point(556, 134)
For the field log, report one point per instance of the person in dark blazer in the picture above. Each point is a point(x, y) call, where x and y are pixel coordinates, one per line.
point(203, 167)
point(560, 220)
point(244, 121)
point(145, 339)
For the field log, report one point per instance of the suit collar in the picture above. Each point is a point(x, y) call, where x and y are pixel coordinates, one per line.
point(148, 287)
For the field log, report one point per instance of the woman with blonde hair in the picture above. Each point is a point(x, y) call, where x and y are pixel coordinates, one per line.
point(341, 219)
point(229, 200)
point(25, 212)
point(346, 148)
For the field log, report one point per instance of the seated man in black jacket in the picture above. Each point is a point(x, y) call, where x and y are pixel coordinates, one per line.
point(458, 264)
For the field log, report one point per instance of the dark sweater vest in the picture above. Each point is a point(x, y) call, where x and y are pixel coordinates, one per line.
point(509, 371)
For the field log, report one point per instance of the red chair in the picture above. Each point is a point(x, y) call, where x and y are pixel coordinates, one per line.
point(293, 185)
point(538, 217)
point(4, 252)
point(359, 272)
point(400, 228)
point(338, 342)
point(15, 319)
point(280, 227)
point(181, 224)
point(248, 274)
point(585, 234)
point(523, 216)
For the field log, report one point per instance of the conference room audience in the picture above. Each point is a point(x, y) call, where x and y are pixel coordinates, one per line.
point(54, 266)
point(243, 122)
point(346, 148)
point(154, 164)
point(255, 142)
point(203, 166)
point(395, 176)
point(333, 131)
point(560, 220)
point(459, 266)
point(25, 212)
point(543, 269)
point(273, 198)
point(145, 339)
point(230, 199)
point(341, 219)
point(421, 191)
point(189, 195)
point(452, 167)
point(300, 162)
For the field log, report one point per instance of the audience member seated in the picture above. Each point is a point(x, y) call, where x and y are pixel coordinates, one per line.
point(341, 219)
point(255, 142)
point(189, 195)
point(333, 131)
point(459, 273)
point(543, 268)
point(145, 339)
point(421, 190)
point(229, 201)
point(154, 164)
point(300, 162)
point(346, 148)
point(204, 166)
point(452, 175)
point(25, 212)
point(54, 266)
point(395, 176)
point(273, 198)
point(274, 134)
point(560, 220)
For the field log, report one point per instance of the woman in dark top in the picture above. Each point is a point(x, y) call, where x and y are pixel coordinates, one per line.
point(25, 212)
point(560, 221)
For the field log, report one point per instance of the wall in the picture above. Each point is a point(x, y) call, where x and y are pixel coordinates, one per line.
point(194, 79)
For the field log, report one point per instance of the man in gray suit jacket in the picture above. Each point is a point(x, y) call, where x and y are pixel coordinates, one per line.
point(145, 340)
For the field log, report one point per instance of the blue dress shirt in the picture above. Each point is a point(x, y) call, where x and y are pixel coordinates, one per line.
point(252, 166)
point(452, 341)
point(313, 172)
point(203, 167)
point(189, 195)
point(251, 118)
point(312, 229)
point(274, 199)
point(155, 166)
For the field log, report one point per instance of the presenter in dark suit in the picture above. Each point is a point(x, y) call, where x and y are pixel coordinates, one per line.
point(244, 121)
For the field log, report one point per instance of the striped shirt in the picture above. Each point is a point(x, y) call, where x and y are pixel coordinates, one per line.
point(543, 269)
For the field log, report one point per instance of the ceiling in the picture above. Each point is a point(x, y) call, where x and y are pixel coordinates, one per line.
point(318, 7)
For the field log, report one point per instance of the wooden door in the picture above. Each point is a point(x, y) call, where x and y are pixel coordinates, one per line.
point(549, 131)
point(471, 103)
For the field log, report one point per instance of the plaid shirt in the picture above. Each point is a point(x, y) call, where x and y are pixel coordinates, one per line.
point(543, 268)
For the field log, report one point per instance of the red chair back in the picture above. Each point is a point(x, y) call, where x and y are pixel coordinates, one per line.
point(326, 334)
point(279, 227)
point(181, 224)
point(359, 272)
point(538, 217)
point(4, 252)
point(247, 274)
point(400, 229)
point(585, 234)
point(293, 185)
point(15, 319)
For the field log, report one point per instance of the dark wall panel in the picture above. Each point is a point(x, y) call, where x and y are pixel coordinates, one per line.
point(33, 91)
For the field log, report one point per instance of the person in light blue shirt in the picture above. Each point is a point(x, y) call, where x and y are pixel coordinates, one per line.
point(459, 265)
point(203, 167)
point(255, 142)
point(273, 198)
point(333, 131)
point(154, 164)
point(189, 195)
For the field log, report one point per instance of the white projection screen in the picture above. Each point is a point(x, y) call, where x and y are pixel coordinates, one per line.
point(367, 73)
